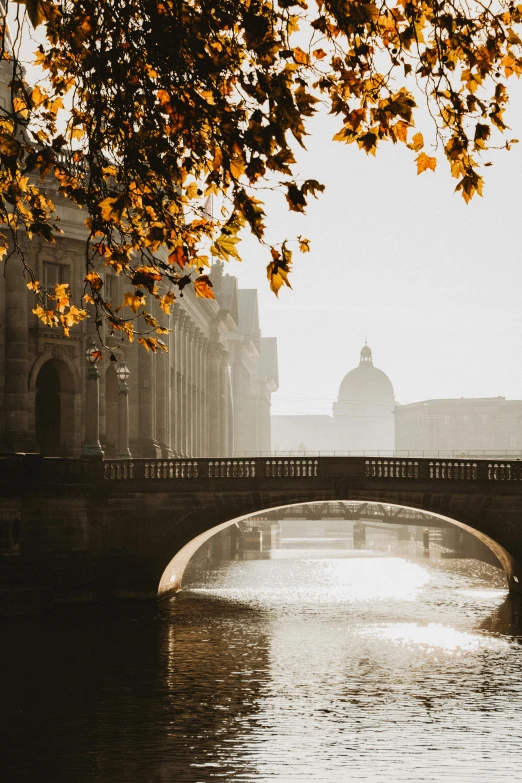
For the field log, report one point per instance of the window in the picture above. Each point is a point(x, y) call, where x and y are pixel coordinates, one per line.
point(111, 288)
point(54, 274)
point(484, 419)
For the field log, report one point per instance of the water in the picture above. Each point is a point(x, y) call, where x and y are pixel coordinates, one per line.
point(319, 664)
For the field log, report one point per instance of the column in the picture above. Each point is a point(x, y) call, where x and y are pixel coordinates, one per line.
point(16, 359)
point(184, 387)
point(201, 401)
point(122, 451)
point(174, 364)
point(205, 398)
point(224, 397)
point(192, 392)
point(213, 400)
point(91, 445)
point(148, 446)
point(161, 361)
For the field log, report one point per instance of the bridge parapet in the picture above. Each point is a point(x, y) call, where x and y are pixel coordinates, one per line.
point(320, 467)
point(21, 469)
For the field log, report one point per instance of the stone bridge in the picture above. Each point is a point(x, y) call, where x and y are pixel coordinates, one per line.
point(92, 530)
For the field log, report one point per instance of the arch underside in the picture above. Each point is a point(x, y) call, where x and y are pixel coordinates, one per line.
point(172, 578)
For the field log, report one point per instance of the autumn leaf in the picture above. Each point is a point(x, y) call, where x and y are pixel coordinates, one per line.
point(152, 124)
point(203, 287)
point(304, 245)
point(95, 281)
point(38, 11)
point(178, 256)
point(146, 276)
point(167, 301)
point(301, 57)
point(152, 343)
point(424, 162)
point(417, 143)
point(134, 301)
point(225, 247)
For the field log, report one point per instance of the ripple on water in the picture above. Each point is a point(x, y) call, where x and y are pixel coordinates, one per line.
point(321, 668)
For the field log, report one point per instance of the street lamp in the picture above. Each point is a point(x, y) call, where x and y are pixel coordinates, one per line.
point(122, 373)
point(92, 446)
point(92, 354)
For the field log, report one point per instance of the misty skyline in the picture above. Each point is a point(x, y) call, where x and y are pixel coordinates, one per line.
point(400, 258)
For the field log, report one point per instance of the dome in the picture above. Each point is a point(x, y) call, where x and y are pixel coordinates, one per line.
point(366, 382)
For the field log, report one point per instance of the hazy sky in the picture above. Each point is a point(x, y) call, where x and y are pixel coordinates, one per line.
point(435, 284)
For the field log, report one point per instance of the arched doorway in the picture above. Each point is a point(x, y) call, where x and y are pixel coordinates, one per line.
point(48, 415)
point(54, 409)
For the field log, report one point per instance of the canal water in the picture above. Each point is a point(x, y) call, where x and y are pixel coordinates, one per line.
point(319, 663)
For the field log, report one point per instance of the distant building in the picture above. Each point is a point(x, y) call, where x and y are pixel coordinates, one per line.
point(363, 416)
point(362, 420)
point(467, 424)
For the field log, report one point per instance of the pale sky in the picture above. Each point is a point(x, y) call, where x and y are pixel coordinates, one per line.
point(435, 284)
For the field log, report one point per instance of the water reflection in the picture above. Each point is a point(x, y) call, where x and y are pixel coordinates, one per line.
point(317, 664)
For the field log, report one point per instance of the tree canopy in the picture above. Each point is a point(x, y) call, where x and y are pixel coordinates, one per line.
point(148, 107)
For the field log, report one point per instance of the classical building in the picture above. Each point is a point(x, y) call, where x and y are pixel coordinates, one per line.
point(467, 424)
point(213, 387)
point(210, 390)
point(362, 420)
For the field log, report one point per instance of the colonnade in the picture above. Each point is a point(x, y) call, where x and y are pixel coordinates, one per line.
point(182, 406)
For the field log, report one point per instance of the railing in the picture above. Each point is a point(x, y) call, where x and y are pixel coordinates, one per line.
point(392, 468)
point(219, 468)
point(32, 468)
point(27, 469)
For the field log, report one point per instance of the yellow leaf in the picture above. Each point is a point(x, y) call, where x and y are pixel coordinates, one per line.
point(33, 285)
point(95, 280)
point(301, 57)
point(134, 301)
point(304, 245)
point(38, 11)
point(191, 191)
point(225, 246)
point(166, 302)
point(203, 287)
point(106, 207)
point(400, 131)
point(237, 168)
point(417, 143)
point(424, 162)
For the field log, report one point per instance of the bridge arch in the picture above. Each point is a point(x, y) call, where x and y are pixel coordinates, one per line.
point(172, 577)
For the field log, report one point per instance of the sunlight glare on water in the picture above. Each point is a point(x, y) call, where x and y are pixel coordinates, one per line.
point(318, 664)
point(322, 581)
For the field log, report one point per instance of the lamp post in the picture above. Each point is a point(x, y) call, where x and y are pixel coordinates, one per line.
point(92, 446)
point(122, 373)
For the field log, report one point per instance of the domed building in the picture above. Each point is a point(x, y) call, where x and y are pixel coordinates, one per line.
point(363, 417)
point(364, 414)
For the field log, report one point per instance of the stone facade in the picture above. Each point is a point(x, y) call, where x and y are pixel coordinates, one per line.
point(479, 424)
point(212, 388)
point(209, 390)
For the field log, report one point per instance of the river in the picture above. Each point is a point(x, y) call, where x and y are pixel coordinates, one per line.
point(320, 663)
